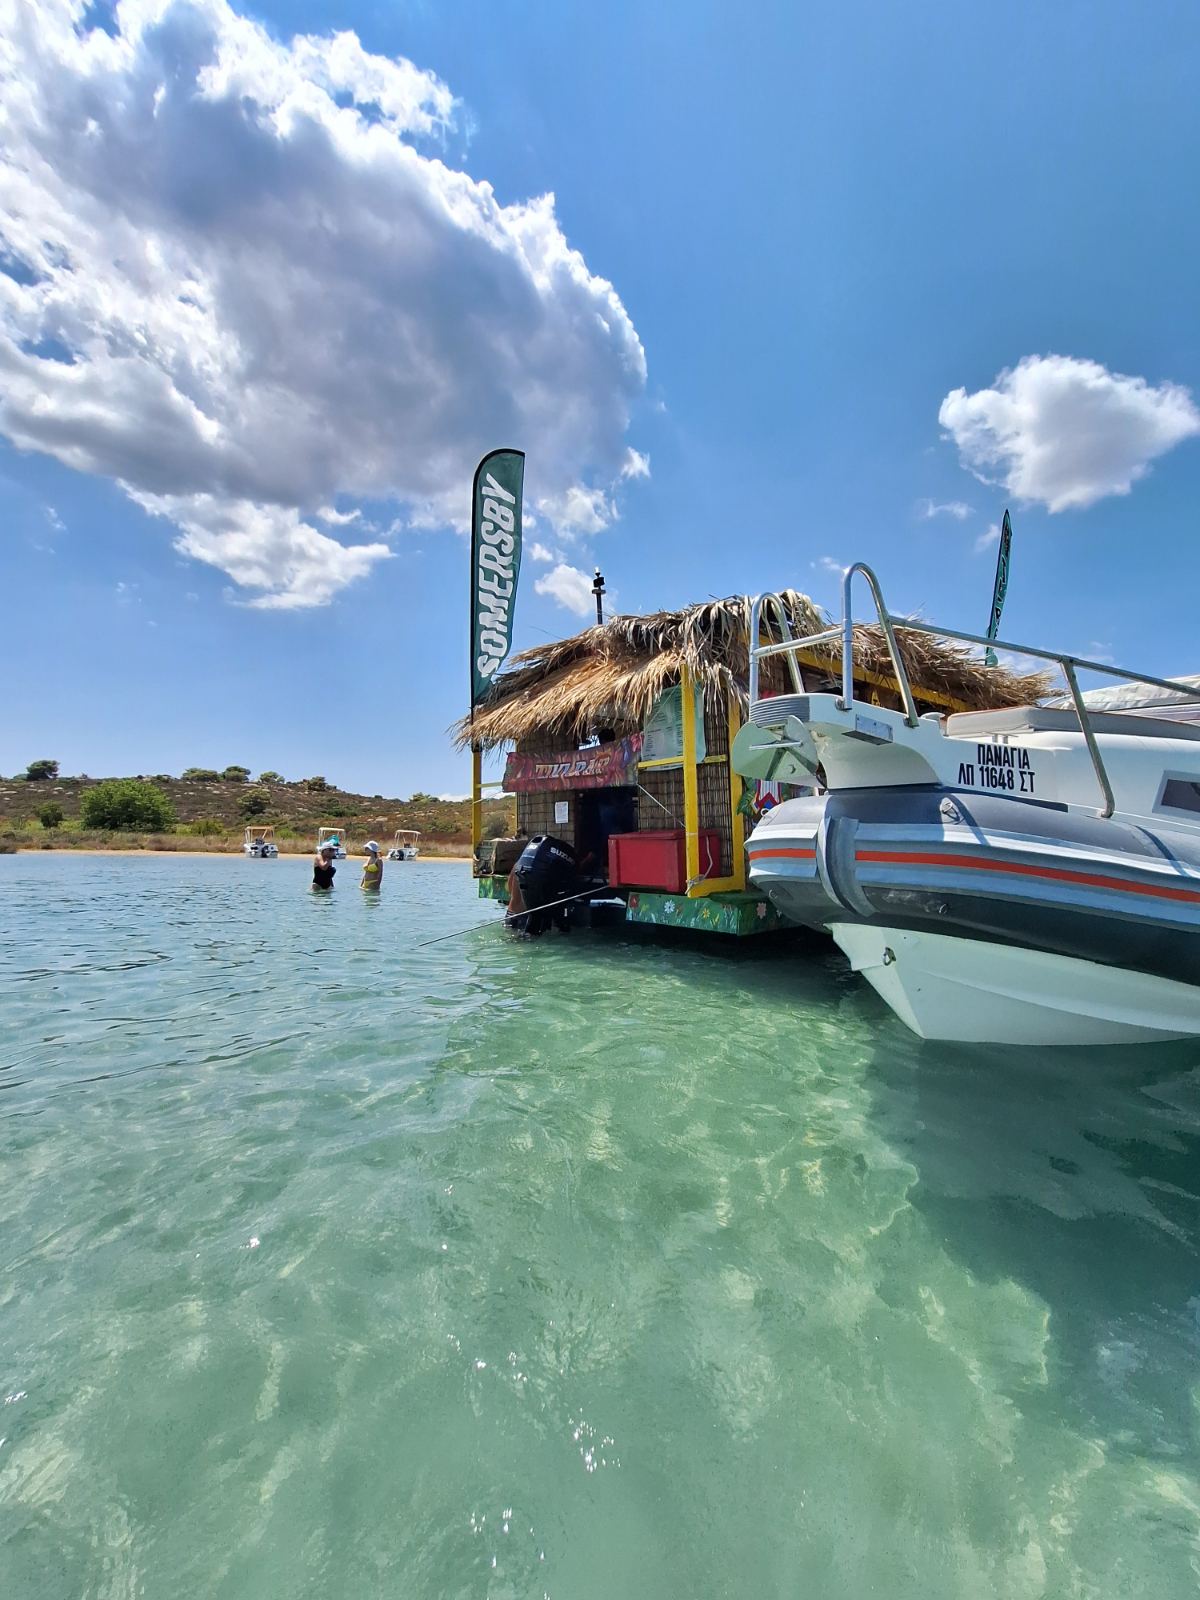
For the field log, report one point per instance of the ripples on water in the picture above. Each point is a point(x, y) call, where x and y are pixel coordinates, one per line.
point(335, 1266)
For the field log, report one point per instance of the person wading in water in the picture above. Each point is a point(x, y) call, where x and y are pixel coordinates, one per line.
point(372, 878)
point(323, 868)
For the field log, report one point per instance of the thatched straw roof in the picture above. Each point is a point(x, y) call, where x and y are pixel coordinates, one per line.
point(610, 676)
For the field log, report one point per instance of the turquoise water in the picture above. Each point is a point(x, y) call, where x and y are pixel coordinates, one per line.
point(338, 1267)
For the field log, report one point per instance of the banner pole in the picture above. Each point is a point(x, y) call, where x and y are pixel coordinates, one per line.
point(476, 798)
point(691, 786)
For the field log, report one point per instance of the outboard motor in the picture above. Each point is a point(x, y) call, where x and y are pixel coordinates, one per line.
point(546, 871)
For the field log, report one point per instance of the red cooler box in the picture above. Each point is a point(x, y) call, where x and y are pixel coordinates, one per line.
point(656, 859)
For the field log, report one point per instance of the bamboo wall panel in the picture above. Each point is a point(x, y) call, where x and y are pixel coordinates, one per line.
point(535, 814)
point(660, 793)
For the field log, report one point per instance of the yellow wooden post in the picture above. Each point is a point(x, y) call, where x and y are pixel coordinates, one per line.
point(476, 797)
point(738, 864)
point(691, 786)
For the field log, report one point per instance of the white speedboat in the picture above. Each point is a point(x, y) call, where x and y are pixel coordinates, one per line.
point(1024, 876)
point(333, 837)
point(405, 845)
point(260, 844)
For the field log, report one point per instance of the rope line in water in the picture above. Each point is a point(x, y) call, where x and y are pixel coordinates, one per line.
point(509, 916)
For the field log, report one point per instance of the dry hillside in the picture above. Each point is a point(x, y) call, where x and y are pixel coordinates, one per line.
point(295, 810)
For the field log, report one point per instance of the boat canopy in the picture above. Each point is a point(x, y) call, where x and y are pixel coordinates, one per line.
point(1148, 697)
point(1057, 719)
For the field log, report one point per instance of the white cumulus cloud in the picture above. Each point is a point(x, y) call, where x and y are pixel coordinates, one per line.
point(1065, 432)
point(539, 552)
point(267, 548)
point(570, 587)
point(958, 509)
point(635, 465)
point(578, 511)
point(236, 279)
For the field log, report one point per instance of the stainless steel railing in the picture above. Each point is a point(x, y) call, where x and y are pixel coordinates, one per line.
point(888, 623)
point(776, 605)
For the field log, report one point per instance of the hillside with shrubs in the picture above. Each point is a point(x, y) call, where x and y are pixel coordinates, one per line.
point(208, 809)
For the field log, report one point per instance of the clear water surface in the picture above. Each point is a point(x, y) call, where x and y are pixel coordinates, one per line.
point(336, 1266)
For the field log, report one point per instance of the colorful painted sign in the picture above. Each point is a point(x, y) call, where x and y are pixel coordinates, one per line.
point(738, 913)
point(495, 562)
point(601, 766)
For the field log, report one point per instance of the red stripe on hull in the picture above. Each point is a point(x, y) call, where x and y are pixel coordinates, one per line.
point(1091, 880)
point(1021, 869)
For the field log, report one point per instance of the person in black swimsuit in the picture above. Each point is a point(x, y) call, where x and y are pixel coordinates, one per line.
point(323, 868)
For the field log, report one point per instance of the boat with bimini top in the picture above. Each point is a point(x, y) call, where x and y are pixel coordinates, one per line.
point(405, 846)
point(259, 843)
point(1026, 875)
point(333, 837)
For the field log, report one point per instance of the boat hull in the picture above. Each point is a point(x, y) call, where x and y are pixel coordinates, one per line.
point(996, 898)
point(973, 991)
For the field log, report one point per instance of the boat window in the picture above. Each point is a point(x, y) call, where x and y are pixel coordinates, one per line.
point(1181, 794)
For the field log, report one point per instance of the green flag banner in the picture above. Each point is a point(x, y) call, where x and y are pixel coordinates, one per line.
point(1001, 588)
point(495, 562)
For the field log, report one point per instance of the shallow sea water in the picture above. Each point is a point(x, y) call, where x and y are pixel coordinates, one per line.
point(337, 1267)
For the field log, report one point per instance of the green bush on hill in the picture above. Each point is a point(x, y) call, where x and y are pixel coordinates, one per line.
point(51, 816)
point(315, 785)
point(40, 771)
point(207, 827)
point(201, 775)
point(126, 805)
point(236, 774)
point(254, 803)
point(271, 777)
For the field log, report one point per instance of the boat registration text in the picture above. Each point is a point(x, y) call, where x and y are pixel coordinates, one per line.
point(998, 766)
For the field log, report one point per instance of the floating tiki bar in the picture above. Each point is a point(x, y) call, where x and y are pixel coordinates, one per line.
point(619, 741)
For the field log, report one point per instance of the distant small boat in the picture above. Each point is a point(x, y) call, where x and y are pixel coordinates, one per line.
point(333, 838)
point(404, 845)
point(1019, 876)
point(260, 843)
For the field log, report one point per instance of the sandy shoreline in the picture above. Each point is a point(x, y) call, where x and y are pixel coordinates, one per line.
point(226, 855)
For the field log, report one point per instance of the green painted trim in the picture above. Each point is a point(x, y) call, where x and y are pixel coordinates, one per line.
point(739, 913)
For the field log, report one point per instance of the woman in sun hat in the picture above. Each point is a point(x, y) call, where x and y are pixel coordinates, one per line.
point(323, 867)
point(372, 878)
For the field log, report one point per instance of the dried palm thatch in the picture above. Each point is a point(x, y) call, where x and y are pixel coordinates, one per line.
point(609, 676)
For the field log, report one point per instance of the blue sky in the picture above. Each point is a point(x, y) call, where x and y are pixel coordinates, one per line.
point(799, 233)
